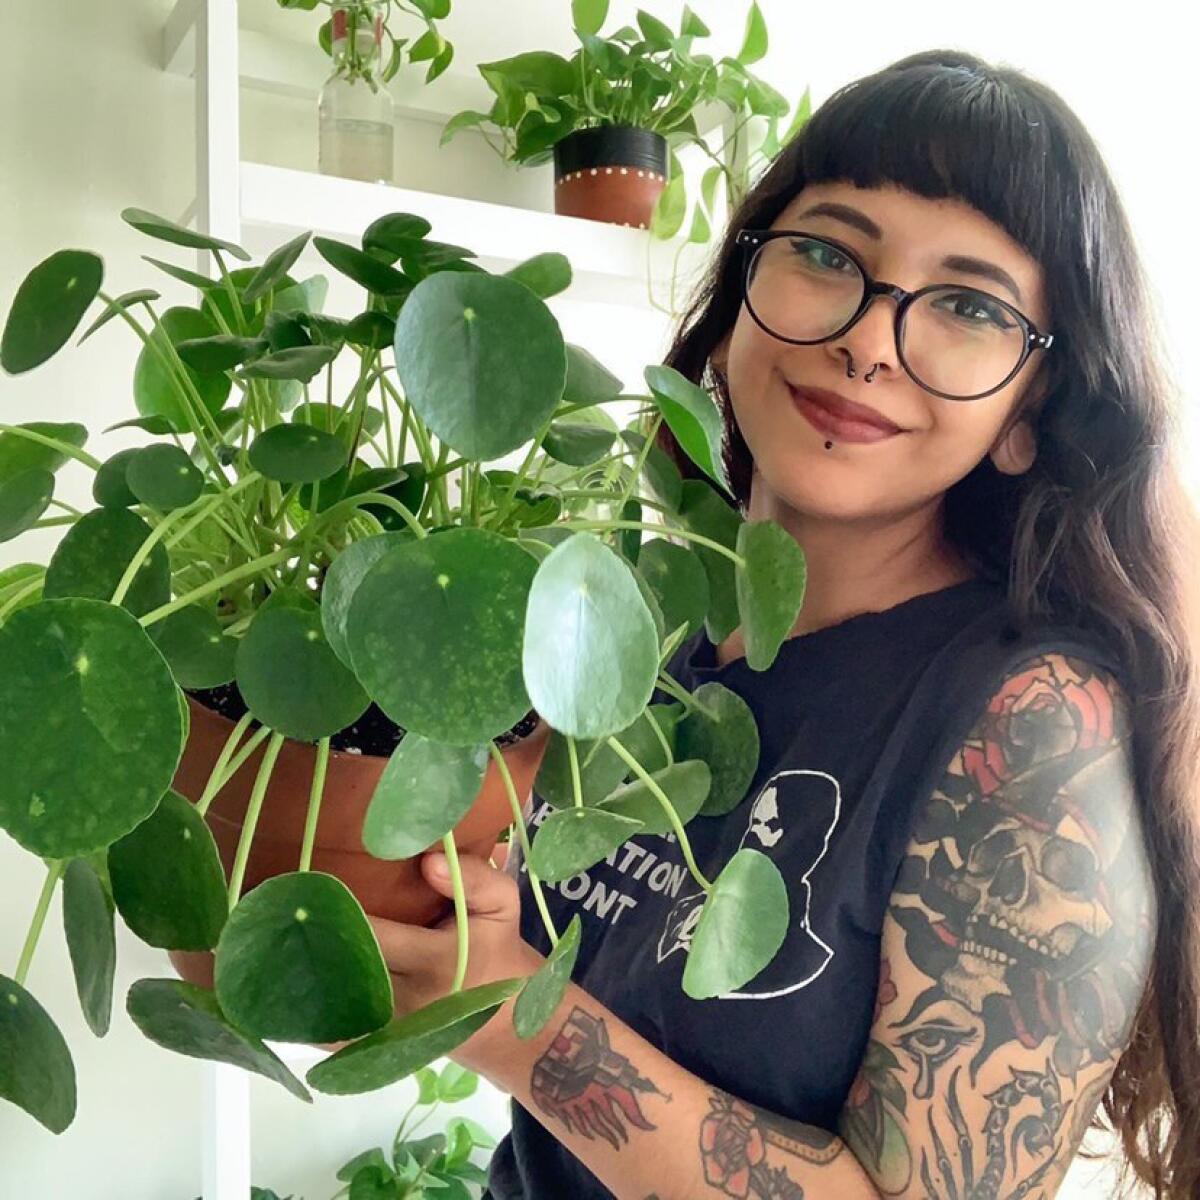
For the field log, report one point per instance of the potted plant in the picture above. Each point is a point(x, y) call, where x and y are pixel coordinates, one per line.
point(277, 569)
point(355, 108)
point(614, 114)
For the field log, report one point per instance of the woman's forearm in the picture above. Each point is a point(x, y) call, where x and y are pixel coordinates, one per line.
point(647, 1128)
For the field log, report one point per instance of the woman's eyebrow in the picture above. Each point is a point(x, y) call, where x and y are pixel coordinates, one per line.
point(857, 219)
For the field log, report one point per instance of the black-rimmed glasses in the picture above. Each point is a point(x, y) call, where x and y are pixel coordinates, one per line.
point(955, 341)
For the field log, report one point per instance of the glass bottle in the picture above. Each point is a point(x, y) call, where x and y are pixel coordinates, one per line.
point(355, 107)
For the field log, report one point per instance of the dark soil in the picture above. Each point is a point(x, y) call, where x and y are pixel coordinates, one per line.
point(373, 732)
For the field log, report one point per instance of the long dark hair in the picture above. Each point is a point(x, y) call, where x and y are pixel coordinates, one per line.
point(1100, 532)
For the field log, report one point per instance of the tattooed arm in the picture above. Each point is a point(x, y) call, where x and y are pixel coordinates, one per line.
point(1015, 950)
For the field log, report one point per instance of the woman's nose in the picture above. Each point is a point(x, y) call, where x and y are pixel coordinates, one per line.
point(871, 339)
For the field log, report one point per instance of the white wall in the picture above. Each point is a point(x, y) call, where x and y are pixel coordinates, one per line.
point(91, 125)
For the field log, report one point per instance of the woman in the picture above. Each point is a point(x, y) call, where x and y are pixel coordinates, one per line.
point(979, 743)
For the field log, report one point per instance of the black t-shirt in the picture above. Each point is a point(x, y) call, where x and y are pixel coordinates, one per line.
point(857, 722)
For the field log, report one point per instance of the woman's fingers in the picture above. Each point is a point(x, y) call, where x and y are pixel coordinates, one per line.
point(490, 893)
point(408, 949)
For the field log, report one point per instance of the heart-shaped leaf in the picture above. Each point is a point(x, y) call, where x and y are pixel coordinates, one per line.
point(435, 630)
point(345, 573)
point(722, 731)
point(298, 962)
point(18, 453)
point(543, 993)
point(411, 1042)
point(167, 879)
point(677, 577)
point(23, 499)
point(770, 588)
point(743, 924)
point(158, 389)
point(164, 477)
point(573, 839)
point(88, 925)
point(48, 307)
point(92, 557)
point(36, 1071)
point(482, 361)
point(424, 791)
point(187, 1019)
point(591, 648)
point(196, 649)
point(685, 784)
point(545, 275)
point(290, 678)
point(82, 674)
point(168, 231)
point(296, 453)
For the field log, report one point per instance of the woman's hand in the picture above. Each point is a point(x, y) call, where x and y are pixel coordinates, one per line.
point(422, 961)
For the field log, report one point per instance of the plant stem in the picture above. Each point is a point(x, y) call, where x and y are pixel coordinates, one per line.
point(667, 807)
point(314, 804)
point(54, 870)
point(662, 739)
point(216, 776)
point(460, 911)
point(252, 813)
point(523, 836)
point(54, 444)
point(215, 585)
point(576, 786)
point(677, 691)
point(686, 534)
point(15, 599)
point(235, 765)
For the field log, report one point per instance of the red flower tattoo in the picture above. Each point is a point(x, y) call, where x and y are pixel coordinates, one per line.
point(887, 989)
point(731, 1145)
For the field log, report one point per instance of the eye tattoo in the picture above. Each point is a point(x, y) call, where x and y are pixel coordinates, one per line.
point(929, 1046)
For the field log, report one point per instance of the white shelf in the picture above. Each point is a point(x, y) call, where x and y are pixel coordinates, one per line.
point(610, 262)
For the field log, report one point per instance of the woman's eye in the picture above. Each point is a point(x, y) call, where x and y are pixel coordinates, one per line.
point(823, 257)
point(975, 309)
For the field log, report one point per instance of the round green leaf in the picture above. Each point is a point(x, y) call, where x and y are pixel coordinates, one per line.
point(48, 307)
point(388, 235)
point(88, 926)
point(600, 771)
point(196, 649)
point(301, 363)
point(341, 582)
point(372, 330)
point(90, 730)
point(544, 274)
point(298, 962)
point(424, 791)
point(93, 556)
point(685, 785)
point(167, 879)
point(644, 744)
point(742, 926)
point(168, 231)
point(582, 438)
point(692, 417)
point(543, 993)
point(296, 453)
point(705, 513)
point(36, 1071)
point(482, 361)
point(157, 389)
point(589, 381)
point(274, 269)
point(676, 576)
point(221, 352)
point(573, 839)
point(19, 453)
point(435, 633)
point(770, 588)
point(23, 498)
point(187, 1019)
point(164, 477)
point(721, 731)
point(591, 648)
point(290, 678)
point(409, 1043)
point(110, 489)
point(364, 269)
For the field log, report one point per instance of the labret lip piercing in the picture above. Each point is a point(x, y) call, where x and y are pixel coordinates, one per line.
point(867, 378)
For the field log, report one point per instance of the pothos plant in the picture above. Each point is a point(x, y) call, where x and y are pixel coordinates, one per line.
point(358, 15)
point(325, 548)
point(650, 77)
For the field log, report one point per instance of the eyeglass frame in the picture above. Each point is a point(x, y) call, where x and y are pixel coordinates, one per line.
point(752, 240)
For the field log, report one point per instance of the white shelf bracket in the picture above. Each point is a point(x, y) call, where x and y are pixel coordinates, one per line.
point(226, 1123)
point(217, 134)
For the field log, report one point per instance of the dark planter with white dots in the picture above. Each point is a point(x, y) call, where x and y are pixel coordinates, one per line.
point(611, 173)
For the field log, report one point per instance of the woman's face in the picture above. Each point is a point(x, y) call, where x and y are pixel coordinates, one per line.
point(904, 239)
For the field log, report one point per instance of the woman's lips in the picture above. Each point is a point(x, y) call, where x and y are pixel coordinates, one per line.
point(841, 428)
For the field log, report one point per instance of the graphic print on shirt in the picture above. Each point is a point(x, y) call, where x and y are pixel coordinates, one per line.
point(791, 821)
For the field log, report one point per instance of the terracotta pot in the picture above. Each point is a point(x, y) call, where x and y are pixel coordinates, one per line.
point(388, 889)
point(611, 173)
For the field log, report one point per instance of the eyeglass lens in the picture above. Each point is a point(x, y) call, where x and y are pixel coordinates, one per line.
point(955, 340)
